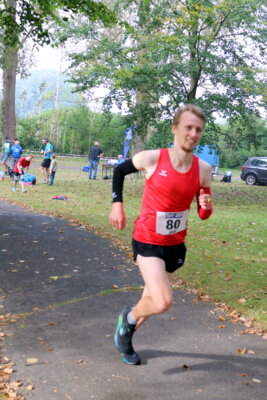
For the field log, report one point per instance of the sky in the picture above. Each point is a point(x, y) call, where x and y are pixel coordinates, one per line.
point(56, 59)
point(50, 58)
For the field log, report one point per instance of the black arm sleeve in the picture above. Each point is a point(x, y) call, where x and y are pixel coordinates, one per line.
point(119, 173)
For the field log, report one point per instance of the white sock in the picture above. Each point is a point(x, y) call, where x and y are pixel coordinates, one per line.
point(130, 319)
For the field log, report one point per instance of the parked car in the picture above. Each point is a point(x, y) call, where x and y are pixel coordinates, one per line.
point(255, 171)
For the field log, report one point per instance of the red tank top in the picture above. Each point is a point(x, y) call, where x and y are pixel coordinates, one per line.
point(167, 197)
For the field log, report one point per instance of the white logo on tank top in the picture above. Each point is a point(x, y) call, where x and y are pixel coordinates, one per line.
point(163, 172)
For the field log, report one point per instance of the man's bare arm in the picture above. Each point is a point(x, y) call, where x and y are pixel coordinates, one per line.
point(145, 160)
point(204, 199)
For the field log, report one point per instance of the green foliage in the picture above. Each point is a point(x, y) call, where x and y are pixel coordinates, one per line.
point(166, 54)
point(240, 139)
point(73, 130)
point(162, 137)
point(33, 18)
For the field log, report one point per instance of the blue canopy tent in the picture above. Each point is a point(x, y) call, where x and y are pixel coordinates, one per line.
point(209, 154)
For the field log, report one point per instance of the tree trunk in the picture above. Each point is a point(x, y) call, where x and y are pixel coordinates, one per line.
point(9, 93)
point(10, 61)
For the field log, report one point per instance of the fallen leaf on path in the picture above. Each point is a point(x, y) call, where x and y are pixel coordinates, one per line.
point(115, 286)
point(121, 377)
point(4, 376)
point(32, 360)
point(244, 350)
point(241, 351)
point(15, 385)
point(8, 370)
point(204, 297)
point(185, 366)
point(255, 380)
point(251, 331)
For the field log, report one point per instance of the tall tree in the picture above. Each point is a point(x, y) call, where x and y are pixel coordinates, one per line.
point(201, 51)
point(23, 19)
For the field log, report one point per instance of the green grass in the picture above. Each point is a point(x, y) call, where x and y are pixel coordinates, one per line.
point(226, 256)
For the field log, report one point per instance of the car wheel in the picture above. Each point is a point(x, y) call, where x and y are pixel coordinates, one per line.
point(251, 179)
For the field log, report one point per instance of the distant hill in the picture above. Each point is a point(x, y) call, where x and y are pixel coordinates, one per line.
point(42, 90)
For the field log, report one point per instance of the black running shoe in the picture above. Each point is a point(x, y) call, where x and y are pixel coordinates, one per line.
point(123, 339)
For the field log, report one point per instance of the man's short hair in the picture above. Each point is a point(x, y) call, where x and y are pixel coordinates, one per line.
point(188, 107)
point(96, 144)
point(6, 138)
point(45, 139)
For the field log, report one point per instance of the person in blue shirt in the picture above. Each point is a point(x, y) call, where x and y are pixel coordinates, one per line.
point(47, 153)
point(120, 159)
point(16, 152)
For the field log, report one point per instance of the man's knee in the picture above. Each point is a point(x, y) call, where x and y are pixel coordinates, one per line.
point(163, 305)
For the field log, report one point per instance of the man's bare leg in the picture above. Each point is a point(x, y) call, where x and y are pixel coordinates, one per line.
point(156, 299)
point(43, 173)
point(47, 174)
point(147, 294)
point(157, 295)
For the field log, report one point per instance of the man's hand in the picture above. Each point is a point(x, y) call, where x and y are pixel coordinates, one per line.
point(204, 200)
point(117, 216)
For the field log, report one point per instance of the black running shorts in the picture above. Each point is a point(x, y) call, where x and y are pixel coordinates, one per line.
point(174, 256)
point(46, 163)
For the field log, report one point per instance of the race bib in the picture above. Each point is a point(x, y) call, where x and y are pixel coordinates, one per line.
point(169, 223)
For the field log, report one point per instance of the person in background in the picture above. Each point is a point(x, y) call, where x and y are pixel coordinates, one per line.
point(16, 152)
point(120, 159)
point(94, 155)
point(52, 169)
point(47, 153)
point(19, 171)
point(6, 154)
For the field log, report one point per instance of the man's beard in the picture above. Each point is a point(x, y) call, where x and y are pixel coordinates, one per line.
point(188, 150)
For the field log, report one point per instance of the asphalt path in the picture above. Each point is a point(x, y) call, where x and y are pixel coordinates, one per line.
point(62, 285)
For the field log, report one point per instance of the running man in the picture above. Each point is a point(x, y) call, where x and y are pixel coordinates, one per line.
point(174, 176)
